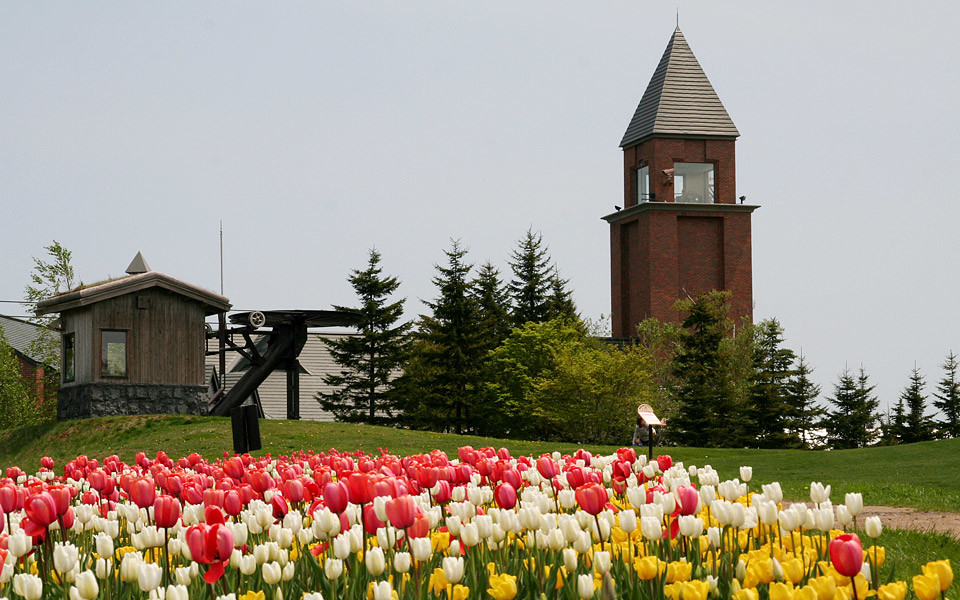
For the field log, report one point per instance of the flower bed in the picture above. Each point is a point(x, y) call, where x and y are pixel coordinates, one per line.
point(427, 527)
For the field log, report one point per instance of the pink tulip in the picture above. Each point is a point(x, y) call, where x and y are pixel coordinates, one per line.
point(592, 497)
point(401, 511)
point(846, 553)
point(505, 495)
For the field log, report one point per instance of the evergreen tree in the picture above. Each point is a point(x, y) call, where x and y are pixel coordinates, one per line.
point(530, 286)
point(560, 299)
point(801, 395)
point(365, 387)
point(917, 423)
point(896, 425)
point(769, 410)
point(705, 407)
point(948, 397)
point(493, 304)
point(850, 423)
point(450, 344)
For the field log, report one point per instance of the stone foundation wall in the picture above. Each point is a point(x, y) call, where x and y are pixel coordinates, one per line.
point(82, 401)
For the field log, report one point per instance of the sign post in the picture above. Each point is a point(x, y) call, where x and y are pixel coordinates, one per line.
point(645, 412)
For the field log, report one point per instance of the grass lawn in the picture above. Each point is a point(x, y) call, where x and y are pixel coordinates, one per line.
point(925, 476)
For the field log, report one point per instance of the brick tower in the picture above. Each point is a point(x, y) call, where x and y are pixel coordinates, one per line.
point(681, 230)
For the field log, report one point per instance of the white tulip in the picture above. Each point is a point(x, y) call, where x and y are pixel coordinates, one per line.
point(421, 549)
point(18, 544)
point(248, 564)
point(690, 526)
point(818, 492)
point(454, 548)
point(341, 546)
point(86, 585)
point(854, 502)
point(128, 566)
point(746, 474)
point(289, 570)
point(570, 559)
point(585, 586)
point(148, 576)
point(453, 569)
point(176, 592)
point(271, 572)
point(333, 568)
point(382, 590)
point(28, 586)
point(843, 515)
point(636, 496)
point(401, 562)
point(104, 568)
point(583, 543)
point(713, 537)
point(65, 556)
point(470, 535)
point(650, 528)
point(708, 495)
point(601, 562)
point(184, 575)
point(375, 561)
point(380, 507)
point(873, 527)
point(104, 544)
point(628, 521)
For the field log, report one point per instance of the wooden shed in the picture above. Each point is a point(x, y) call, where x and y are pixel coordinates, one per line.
point(133, 345)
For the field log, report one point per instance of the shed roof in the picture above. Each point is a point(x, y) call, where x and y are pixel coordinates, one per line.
point(679, 100)
point(213, 303)
point(20, 335)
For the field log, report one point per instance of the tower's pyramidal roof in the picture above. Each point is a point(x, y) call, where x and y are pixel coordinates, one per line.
point(679, 100)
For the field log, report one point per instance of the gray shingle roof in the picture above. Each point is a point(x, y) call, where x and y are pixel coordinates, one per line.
point(679, 100)
point(20, 334)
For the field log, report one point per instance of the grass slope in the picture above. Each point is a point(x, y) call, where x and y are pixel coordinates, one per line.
point(925, 475)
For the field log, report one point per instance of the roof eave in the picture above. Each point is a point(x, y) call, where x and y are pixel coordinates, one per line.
point(626, 143)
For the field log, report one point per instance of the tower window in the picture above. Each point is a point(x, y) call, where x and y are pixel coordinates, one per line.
point(69, 358)
point(113, 354)
point(693, 182)
point(643, 184)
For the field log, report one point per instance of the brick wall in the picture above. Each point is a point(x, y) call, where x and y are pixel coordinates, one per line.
point(660, 154)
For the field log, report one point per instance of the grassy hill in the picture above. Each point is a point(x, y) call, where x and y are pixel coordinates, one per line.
point(925, 475)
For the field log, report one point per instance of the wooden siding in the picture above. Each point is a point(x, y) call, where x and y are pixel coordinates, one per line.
point(165, 337)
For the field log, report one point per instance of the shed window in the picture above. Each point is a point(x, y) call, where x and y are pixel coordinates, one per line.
point(643, 184)
point(693, 182)
point(113, 353)
point(69, 358)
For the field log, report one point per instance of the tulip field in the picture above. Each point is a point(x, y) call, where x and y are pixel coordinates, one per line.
point(481, 524)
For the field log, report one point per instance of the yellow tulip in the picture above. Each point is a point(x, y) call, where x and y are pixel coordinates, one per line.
point(793, 570)
point(678, 571)
point(943, 571)
point(747, 594)
point(694, 590)
point(460, 592)
point(926, 587)
point(503, 587)
point(673, 590)
point(618, 535)
point(863, 586)
point(781, 591)
point(252, 595)
point(648, 567)
point(807, 593)
point(825, 587)
point(896, 590)
point(876, 555)
point(438, 583)
point(758, 571)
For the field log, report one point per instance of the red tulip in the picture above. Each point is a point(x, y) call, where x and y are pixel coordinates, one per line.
point(293, 489)
point(280, 506)
point(166, 511)
point(143, 491)
point(427, 477)
point(9, 499)
point(505, 495)
point(61, 497)
point(420, 527)
point(360, 487)
point(592, 497)
point(689, 498)
point(443, 493)
point(664, 461)
point(46, 462)
point(401, 511)
point(370, 521)
point(212, 545)
point(846, 553)
point(232, 503)
point(512, 476)
point(336, 496)
point(547, 467)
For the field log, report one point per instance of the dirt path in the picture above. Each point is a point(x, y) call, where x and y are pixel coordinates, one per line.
point(910, 518)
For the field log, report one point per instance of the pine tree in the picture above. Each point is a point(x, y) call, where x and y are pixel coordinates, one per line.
point(530, 286)
point(770, 411)
point(449, 352)
point(801, 395)
point(366, 386)
point(897, 424)
point(560, 299)
point(705, 409)
point(917, 423)
point(850, 423)
point(948, 397)
point(493, 304)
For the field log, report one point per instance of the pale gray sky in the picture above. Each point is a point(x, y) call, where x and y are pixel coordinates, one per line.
point(318, 130)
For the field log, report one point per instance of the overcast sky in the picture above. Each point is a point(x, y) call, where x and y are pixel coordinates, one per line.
point(316, 131)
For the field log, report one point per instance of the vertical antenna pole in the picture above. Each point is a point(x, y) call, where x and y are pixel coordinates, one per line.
point(221, 257)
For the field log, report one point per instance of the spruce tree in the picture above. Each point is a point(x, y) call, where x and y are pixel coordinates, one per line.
point(560, 299)
point(450, 348)
point(801, 395)
point(365, 386)
point(530, 286)
point(493, 305)
point(849, 424)
point(948, 397)
point(917, 423)
point(705, 410)
point(897, 424)
point(770, 411)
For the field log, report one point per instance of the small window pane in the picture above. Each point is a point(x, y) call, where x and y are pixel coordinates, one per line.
point(693, 182)
point(69, 357)
point(643, 184)
point(114, 354)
